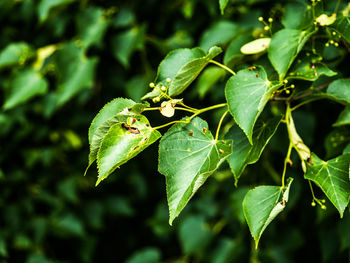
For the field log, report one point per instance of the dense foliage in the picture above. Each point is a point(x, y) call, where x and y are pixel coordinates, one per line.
point(280, 102)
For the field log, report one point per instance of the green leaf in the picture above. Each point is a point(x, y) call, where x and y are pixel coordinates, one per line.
point(91, 26)
point(194, 235)
point(339, 90)
point(219, 33)
point(124, 18)
point(24, 85)
point(342, 26)
point(223, 4)
point(344, 118)
point(188, 155)
point(336, 140)
point(261, 205)
point(243, 153)
point(108, 111)
point(208, 79)
point(15, 53)
point(126, 43)
point(123, 116)
point(285, 46)
point(75, 71)
point(182, 66)
point(189, 72)
point(122, 142)
point(247, 94)
point(45, 6)
point(233, 51)
point(333, 179)
point(307, 69)
point(297, 15)
point(145, 255)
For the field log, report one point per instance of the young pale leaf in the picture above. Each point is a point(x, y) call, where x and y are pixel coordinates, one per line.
point(167, 108)
point(344, 118)
point(261, 205)
point(247, 94)
point(243, 153)
point(189, 72)
point(108, 111)
point(14, 53)
point(325, 20)
point(256, 46)
point(285, 46)
point(123, 142)
point(333, 178)
point(23, 86)
point(307, 70)
point(188, 155)
point(342, 26)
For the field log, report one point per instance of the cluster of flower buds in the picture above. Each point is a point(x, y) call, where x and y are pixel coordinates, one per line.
point(161, 88)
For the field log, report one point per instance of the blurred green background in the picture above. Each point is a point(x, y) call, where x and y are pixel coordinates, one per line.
point(60, 62)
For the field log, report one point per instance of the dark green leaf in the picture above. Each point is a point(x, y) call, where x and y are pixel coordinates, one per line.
point(285, 46)
point(122, 142)
point(247, 94)
point(233, 52)
point(23, 86)
point(344, 118)
point(15, 53)
point(145, 255)
point(188, 155)
point(75, 71)
point(342, 26)
point(333, 179)
point(297, 15)
point(339, 90)
point(261, 205)
point(126, 43)
point(219, 33)
point(124, 18)
point(243, 153)
point(306, 69)
point(91, 25)
point(46, 6)
point(208, 79)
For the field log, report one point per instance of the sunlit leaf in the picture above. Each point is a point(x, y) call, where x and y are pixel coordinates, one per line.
point(15, 53)
point(122, 142)
point(261, 205)
point(188, 155)
point(285, 46)
point(256, 46)
point(247, 94)
point(333, 178)
point(344, 118)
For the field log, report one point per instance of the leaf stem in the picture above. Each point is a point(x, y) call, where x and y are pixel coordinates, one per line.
point(286, 160)
point(219, 126)
point(222, 66)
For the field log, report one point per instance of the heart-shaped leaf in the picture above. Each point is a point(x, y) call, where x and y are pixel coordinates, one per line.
point(285, 46)
point(333, 178)
point(122, 142)
point(344, 118)
point(243, 153)
point(247, 94)
point(261, 205)
point(181, 66)
point(188, 155)
point(307, 70)
point(342, 26)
